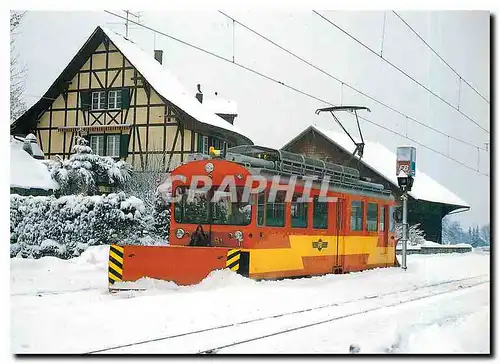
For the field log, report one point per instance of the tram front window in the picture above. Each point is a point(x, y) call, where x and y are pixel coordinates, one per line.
point(212, 207)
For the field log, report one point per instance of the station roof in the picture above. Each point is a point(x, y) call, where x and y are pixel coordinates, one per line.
point(383, 162)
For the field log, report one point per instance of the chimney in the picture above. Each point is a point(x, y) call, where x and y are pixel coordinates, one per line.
point(159, 55)
point(28, 141)
point(199, 94)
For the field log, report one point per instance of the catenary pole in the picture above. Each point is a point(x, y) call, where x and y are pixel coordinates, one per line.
point(404, 239)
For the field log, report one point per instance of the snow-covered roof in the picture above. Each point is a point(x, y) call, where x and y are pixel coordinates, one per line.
point(383, 161)
point(221, 106)
point(28, 172)
point(166, 84)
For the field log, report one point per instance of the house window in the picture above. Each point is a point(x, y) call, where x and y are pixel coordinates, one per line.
point(98, 100)
point(320, 214)
point(115, 99)
point(106, 145)
point(113, 145)
point(356, 216)
point(97, 144)
point(371, 217)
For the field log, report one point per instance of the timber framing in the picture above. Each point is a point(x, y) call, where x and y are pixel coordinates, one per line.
point(154, 132)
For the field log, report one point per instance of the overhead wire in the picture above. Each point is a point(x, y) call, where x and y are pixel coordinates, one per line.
point(401, 71)
point(441, 58)
point(342, 82)
point(292, 88)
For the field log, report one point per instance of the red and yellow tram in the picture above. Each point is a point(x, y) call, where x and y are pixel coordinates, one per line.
point(270, 232)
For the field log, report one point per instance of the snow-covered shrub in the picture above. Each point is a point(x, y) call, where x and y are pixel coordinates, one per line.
point(150, 188)
point(416, 235)
point(161, 217)
point(66, 226)
point(83, 170)
point(22, 209)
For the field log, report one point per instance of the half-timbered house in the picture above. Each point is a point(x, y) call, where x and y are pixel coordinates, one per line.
point(128, 106)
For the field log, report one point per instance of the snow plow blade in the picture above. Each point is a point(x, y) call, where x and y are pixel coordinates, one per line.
point(183, 265)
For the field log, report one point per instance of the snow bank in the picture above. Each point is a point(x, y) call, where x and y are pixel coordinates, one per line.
point(431, 244)
point(467, 332)
point(94, 256)
point(27, 172)
point(217, 279)
point(52, 276)
point(70, 301)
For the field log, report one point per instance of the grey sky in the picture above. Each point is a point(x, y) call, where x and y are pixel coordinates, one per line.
point(271, 114)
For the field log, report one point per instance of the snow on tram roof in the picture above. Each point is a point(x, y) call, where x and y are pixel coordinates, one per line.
point(166, 84)
point(380, 159)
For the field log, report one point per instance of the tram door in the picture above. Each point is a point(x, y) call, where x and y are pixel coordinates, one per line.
point(339, 221)
point(384, 226)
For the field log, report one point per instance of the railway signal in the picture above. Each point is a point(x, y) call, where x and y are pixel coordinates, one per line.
point(405, 171)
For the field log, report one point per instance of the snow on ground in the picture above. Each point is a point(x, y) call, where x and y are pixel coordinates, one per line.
point(64, 307)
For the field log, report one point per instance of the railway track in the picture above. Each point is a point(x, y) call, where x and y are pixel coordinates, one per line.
point(53, 292)
point(213, 339)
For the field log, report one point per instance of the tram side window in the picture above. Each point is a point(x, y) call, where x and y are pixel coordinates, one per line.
point(320, 214)
point(382, 218)
point(275, 211)
point(356, 216)
point(299, 213)
point(371, 217)
point(261, 206)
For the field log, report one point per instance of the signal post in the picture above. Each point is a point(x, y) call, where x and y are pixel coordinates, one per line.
point(405, 171)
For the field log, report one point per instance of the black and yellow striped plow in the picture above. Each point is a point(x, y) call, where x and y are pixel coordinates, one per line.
point(233, 259)
point(115, 264)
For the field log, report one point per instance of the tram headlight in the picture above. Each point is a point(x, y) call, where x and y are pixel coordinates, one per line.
point(238, 235)
point(209, 167)
point(179, 233)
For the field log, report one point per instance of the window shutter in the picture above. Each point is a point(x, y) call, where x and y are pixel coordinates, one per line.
point(124, 145)
point(106, 98)
point(125, 98)
point(200, 143)
point(85, 100)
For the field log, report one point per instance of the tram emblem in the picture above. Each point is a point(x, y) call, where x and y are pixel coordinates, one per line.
point(320, 244)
